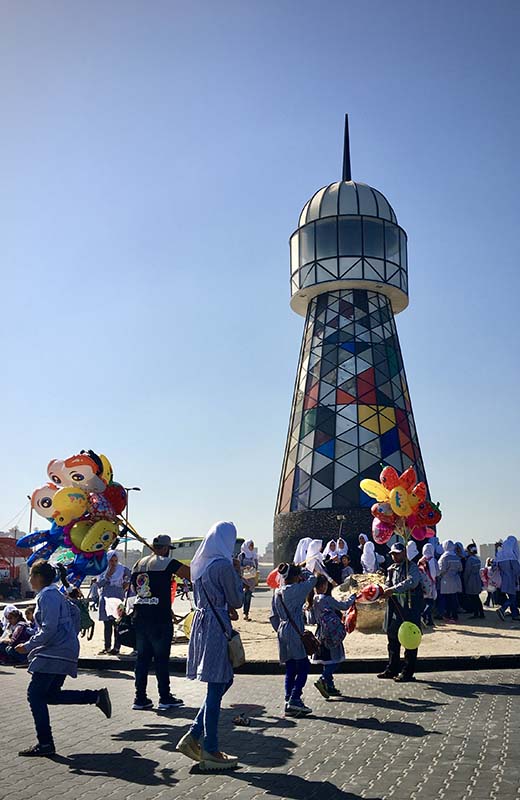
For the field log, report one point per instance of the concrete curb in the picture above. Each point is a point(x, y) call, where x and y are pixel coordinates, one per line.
point(352, 666)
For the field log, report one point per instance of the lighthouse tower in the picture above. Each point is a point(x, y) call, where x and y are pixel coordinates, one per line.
point(351, 408)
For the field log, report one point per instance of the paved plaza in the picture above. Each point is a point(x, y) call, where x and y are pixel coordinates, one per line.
point(450, 735)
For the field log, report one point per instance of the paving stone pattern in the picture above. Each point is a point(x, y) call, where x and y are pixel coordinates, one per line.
point(450, 735)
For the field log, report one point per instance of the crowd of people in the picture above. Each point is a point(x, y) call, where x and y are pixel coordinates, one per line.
point(419, 585)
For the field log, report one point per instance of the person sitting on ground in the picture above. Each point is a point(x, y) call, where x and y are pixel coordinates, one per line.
point(473, 582)
point(430, 569)
point(330, 634)
point(19, 633)
point(404, 595)
point(152, 615)
point(7, 628)
point(218, 593)
point(509, 566)
point(346, 569)
point(450, 567)
point(29, 617)
point(287, 621)
point(53, 654)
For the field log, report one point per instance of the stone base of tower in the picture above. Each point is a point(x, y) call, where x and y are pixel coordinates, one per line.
point(323, 524)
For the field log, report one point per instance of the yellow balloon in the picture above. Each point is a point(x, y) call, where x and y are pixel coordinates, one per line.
point(409, 636)
point(70, 504)
point(108, 472)
point(374, 489)
point(78, 532)
point(101, 535)
point(188, 622)
point(400, 502)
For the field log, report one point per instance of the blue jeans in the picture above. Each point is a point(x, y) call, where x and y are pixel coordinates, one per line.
point(248, 595)
point(328, 675)
point(510, 603)
point(45, 690)
point(296, 673)
point(153, 641)
point(206, 721)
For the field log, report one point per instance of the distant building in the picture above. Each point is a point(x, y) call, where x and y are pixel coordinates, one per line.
point(269, 554)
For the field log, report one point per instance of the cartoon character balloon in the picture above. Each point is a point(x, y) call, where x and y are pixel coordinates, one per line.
point(402, 506)
point(83, 502)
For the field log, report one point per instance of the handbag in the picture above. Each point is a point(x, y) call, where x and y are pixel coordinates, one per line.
point(125, 626)
point(309, 641)
point(235, 647)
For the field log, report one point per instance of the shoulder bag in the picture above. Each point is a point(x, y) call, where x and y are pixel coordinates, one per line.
point(309, 641)
point(236, 651)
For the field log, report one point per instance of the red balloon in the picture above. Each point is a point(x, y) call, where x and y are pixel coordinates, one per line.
point(116, 496)
point(429, 533)
point(383, 512)
point(427, 513)
point(389, 478)
point(381, 531)
point(408, 479)
point(273, 579)
point(350, 622)
point(370, 593)
point(419, 533)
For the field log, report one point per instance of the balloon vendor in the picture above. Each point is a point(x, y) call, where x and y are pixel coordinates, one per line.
point(404, 596)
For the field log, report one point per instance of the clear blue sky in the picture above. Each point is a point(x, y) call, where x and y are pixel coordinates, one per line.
point(154, 159)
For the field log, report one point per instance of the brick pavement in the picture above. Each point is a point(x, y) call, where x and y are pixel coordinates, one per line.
point(450, 735)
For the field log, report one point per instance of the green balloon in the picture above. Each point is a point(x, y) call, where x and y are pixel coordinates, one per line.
point(409, 636)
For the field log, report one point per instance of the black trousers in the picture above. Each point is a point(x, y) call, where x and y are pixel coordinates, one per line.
point(394, 653)
point(46, 690)
point(475, 604)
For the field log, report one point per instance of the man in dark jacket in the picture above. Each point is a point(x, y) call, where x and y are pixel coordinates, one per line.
point(404, 595)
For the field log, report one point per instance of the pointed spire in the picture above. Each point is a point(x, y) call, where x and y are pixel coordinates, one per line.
point(347, 175)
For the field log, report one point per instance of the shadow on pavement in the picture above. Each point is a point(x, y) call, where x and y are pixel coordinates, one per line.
point(404, 704)
point(472, 690)
point(372, 723)
point(253, 746)
point(127, 765)
point(293, 787)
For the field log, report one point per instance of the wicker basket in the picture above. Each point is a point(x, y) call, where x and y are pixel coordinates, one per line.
point(370, 616)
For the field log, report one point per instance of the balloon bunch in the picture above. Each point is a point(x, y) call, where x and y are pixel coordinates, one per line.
point(82, 502)
point(402, 506)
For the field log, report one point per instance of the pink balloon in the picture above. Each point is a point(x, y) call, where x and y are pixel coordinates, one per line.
point(381, 531)
point(420, 533)
point(429, 533)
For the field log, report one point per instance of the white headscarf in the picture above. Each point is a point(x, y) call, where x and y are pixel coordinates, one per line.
point(448, 546)
point(365, 540)
point(7, 610)
point(218, 544)
point(509, 550)
point(301, 550)
point(341, 551)
point(368, 557)
point(428, 553)
point(411, 550)
point(329, 551)
point(116, 579)
point(314, 555)
point(252, 554)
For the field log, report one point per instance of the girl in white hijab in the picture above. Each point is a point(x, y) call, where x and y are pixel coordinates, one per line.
point(411, 550)
point(301, 550)
point(217, 590)
point(331, 550)
point(6, 625)
point(341, 548)
point(248, 560)
point(368, 557)
point(507, 560)
point(362, 539)
point(428, 565)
